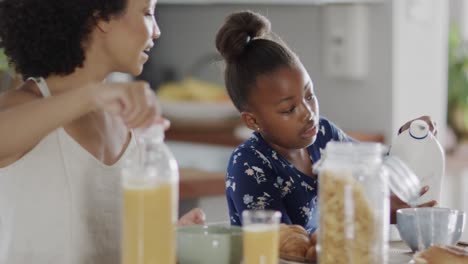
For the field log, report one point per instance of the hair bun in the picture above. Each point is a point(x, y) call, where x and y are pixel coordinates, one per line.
point(238, 30)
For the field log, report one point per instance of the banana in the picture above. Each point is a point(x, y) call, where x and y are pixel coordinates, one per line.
point(191, 89)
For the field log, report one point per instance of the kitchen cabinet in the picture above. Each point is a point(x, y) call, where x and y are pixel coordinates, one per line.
point(272, 2)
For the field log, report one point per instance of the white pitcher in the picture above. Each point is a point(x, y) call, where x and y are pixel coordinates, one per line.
point(423, 154)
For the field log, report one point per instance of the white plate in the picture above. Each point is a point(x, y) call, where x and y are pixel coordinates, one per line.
point(282, 261)
point(293, 261)
point(189, 111)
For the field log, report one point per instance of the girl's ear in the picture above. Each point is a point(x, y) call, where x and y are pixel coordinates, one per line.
point(250, 121)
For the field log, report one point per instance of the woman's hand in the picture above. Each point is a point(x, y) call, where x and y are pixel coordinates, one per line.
point(396, 203)
point(134, 102)
point(196, 216)
point(432, 124)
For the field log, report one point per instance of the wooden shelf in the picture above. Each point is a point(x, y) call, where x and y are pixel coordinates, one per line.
point(226, 137)
point(206, 137)
point(196, 183)
point(271, 2)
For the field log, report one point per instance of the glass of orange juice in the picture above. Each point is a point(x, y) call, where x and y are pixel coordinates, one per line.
point(149, 228)
point(261, 236)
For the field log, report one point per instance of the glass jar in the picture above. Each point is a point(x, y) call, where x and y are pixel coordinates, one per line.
point(150, 202)
point(354, 203)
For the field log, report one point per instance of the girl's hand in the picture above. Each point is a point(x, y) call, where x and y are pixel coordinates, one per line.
point(432, 125)
point(311, 253)
point(396, 203)
point(134, 102)
point(196, 216)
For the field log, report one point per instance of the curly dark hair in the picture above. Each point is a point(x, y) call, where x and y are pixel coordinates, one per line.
point(245, 42)
point(47, 37)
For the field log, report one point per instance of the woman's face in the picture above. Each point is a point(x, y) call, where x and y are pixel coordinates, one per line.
point(285, 108)
point(131, 36)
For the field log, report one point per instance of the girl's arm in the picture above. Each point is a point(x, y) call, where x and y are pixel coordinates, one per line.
point(251, 185)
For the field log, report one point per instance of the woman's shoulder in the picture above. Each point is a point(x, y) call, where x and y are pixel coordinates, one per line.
point(18, 96)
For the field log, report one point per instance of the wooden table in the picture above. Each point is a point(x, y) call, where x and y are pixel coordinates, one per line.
point(399, 253)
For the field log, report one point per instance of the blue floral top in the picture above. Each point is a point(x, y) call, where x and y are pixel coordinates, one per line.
point(260, 178)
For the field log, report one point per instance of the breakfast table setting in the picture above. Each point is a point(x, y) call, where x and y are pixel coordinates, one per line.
point(222, 243)
point(355, 206)
point(398, 253)
point(356, 182)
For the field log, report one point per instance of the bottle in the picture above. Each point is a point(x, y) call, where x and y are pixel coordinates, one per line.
point(150, 202)
point(423, 154)
point(354, 204)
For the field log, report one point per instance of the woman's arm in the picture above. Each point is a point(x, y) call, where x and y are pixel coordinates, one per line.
point(23, 125)
point(25, 121)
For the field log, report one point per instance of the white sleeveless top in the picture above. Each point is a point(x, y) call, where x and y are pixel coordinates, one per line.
point(59, 204)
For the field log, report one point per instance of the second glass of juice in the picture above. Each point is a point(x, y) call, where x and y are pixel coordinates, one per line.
point(261, 236)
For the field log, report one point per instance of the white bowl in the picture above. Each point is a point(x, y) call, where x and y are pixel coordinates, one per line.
point(193, 112)
point(437, 226)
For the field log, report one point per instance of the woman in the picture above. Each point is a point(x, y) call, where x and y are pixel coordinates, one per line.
point(65, 132)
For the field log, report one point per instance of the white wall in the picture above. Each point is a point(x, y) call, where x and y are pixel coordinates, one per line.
point(407, 61)
point(459, 15)
point(406, 58)
point(189, 31)
point(419, 61)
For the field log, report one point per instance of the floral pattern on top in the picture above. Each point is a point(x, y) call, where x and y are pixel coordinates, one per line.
point(259, 178)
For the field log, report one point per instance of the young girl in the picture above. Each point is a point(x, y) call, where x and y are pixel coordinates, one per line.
point(275, 95)
point(65, 133)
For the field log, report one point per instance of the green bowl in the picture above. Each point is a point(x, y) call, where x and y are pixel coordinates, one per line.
point(209, 244)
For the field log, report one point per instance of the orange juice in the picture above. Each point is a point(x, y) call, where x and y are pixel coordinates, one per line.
point(148, 225)
point(261, 244)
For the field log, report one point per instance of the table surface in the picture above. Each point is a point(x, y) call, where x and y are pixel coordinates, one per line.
point(399, 253)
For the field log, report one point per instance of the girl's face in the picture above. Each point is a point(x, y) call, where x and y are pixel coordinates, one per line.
point(130, 36)
point(285, 108)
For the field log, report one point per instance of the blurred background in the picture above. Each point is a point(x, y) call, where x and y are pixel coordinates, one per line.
point(375, 64)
